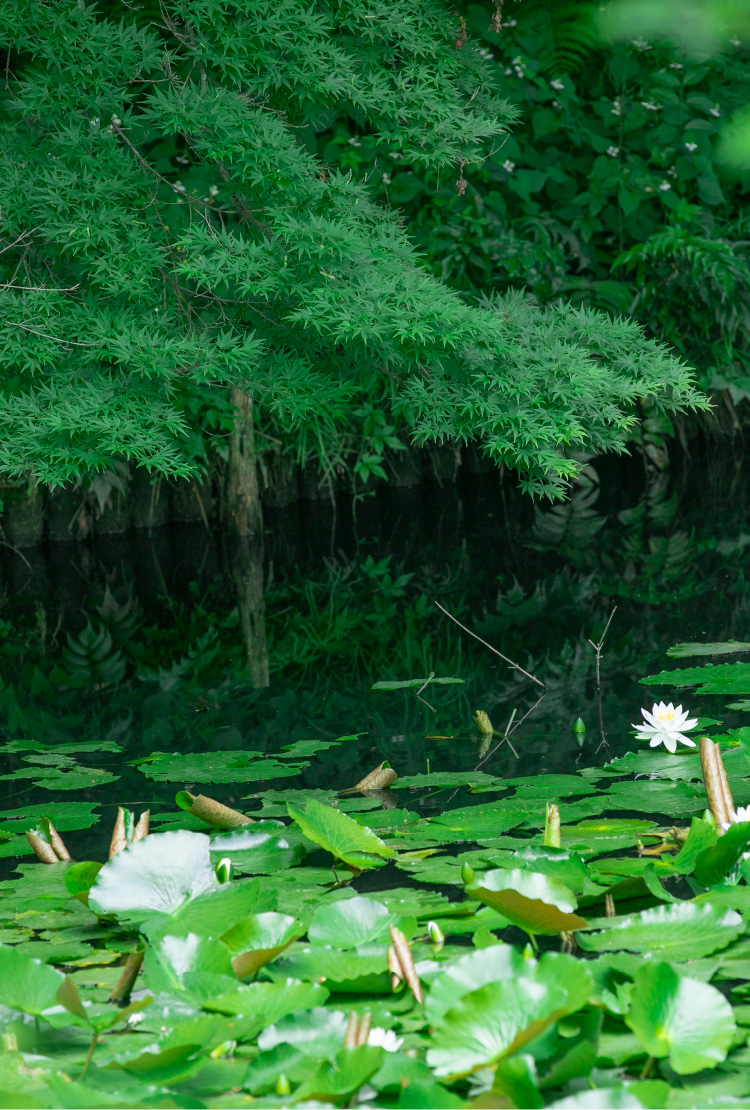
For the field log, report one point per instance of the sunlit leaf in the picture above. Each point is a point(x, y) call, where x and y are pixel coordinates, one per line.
point(529, 899)
point(681, 932)
point(689, 1022)
point(348, 841)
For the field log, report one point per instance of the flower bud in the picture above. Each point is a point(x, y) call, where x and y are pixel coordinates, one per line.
point(283, 1086)
point(467, 874)
point(224, 870)
point(435, 934)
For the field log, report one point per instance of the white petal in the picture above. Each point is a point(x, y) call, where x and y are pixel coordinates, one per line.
point(670, 743)
point(687, 741)
point(689, 724)
point(649, 717)
point(656, 740)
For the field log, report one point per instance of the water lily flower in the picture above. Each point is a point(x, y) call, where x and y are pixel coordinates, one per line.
point(385, 1038)
point(666, 725)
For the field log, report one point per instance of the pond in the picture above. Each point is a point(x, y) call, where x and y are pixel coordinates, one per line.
point(137, 640)
point(521, 910)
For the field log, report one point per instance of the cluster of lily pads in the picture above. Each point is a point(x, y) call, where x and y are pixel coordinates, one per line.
point(572, 940)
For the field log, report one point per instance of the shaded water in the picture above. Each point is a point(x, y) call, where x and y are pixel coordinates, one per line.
point(135, 641)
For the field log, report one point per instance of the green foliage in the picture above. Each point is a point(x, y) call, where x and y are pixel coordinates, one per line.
point(495, 1022)
point(172, 229)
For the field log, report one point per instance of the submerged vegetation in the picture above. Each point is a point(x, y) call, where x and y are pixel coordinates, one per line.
point(573, 940)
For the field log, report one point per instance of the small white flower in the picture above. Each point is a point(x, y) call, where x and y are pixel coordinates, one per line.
point(510, 22)
point(665, 725)
point(179, 187)
point(213, 190)
point(671, 172)
point(95, 122)
point(649, 106)
point(641, 44)
point(484, 53)
point(691, 147)
point(182, 160)
point(396, 154)
point(557, 85)
point(676, 65)
point(386, 178)
point(613, 151)
point(509, 166)
point(555, 103)
point(714, 112)
point(354, 141)
point(385, 1038)
point(508, 72)
point(648, 189)
point(116, 121)
point(616, 108)
point(665, 186)
point(135, 1019)
point(735, 42)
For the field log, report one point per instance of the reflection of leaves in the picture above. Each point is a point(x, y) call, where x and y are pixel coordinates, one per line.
point(92, 658)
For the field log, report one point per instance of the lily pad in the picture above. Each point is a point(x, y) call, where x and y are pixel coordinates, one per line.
point(156, 875)
point(500, 1018)
point(674, 1016)
point(338, 834)
point(530, 900)
point(216, 767)
point(680, 932)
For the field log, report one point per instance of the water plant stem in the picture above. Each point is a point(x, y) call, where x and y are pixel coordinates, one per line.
point(598, 657)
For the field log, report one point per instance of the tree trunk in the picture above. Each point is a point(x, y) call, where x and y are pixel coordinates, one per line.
point(246, 558)
point(243, 495)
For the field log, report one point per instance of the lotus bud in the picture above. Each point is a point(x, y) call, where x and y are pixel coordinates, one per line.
point(579, 731)
point(467, 874)
point(283, 1086)
point(226, 1048)
point(552, 833)
point(435, 934)
point(528, 952)
point(483, 723)
point(224, 870)
point(609, 905)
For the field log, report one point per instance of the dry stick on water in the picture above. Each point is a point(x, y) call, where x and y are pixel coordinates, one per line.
point(598, 650)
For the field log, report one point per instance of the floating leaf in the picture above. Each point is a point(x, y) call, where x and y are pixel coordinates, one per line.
point(348, 841)
point(680, 932)
point(469, 973)
point(723, 678)
point(529, 899)
point(451, 778)
point(336, 1081)
point(689, 1022)
point(500, 1018)
point(682, 651)
point(215, 767)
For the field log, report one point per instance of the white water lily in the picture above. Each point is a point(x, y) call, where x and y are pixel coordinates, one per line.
point(666, 725)
point(385, 1038)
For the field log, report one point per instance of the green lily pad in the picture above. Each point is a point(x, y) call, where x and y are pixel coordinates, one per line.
point(155, 875)
point(259, 849)
point(216, 767)
point(498, 1019)
point(530, 900)
point(338, 834)
point(673, 1016)
point(258, 939)
point(680, 932)
point(724, 678)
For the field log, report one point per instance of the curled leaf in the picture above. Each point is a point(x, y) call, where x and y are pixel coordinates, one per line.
point(379, 779)
point(47, 842)
point(717, 786)
point(406, 961)
point(211, 812)
point(483, 723)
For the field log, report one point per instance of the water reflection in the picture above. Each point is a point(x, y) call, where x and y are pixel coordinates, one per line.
point(187, 640)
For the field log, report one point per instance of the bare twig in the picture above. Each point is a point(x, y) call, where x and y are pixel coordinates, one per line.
point(38, 288)
point(598, 650)
point(504, 658)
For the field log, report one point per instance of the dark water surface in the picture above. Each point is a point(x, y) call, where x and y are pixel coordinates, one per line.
point(136, 640)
